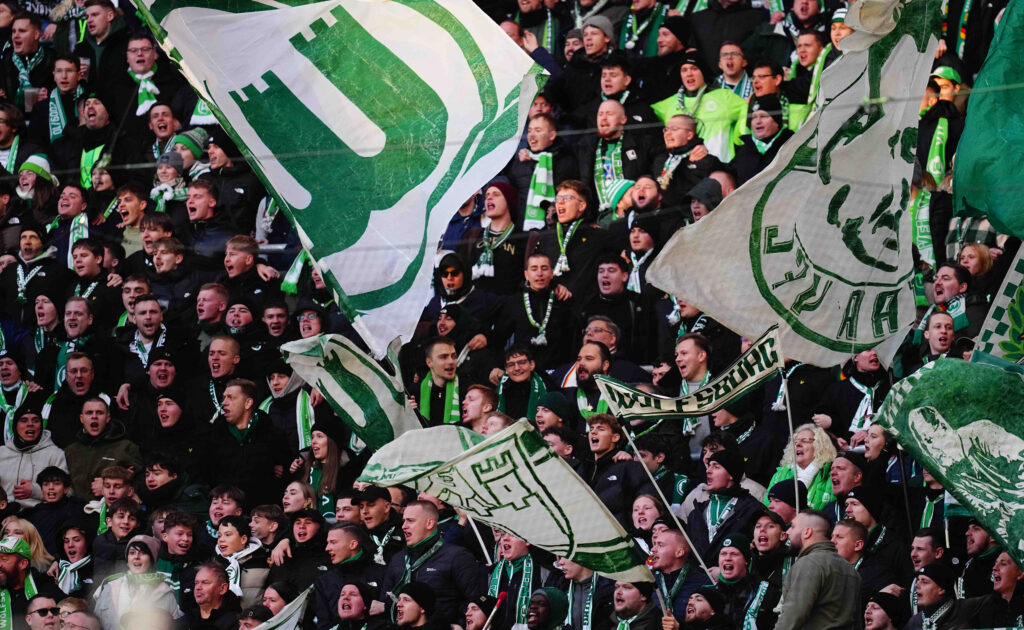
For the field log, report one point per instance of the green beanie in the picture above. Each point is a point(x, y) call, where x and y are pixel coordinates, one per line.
point(193, 139)
point(38, 164)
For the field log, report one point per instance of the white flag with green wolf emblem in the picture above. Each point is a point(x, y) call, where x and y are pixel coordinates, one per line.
point(368, 398)
point(512, 480)
point(371, 122)
point(819, 242)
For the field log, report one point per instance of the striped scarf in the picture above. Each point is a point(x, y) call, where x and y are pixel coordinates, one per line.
point(542, 188)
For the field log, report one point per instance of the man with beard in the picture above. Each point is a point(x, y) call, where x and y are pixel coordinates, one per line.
point(686, 162)
point(496, 252)
point(659, 75)
point(635, 606)
point(537, 168)
point(705, 610)
point(676, 573)
point(615, 152)
point(982, 552)
point(95, 142)
point(19, 581)
point(745, 599)
point(818, 588)
point(593, 358)
point(616, 483)
point(607, 332)
point(847, 406)
point(150, 333)
point(99, 444)
point(968, 310)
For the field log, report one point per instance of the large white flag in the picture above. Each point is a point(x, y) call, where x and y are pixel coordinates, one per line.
point(371, 121)
point(819, 242)
point(512, 480)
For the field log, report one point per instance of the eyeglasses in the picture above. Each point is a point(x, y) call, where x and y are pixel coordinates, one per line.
point(804, 441)
point(136, 51)
point(673, 129)
point(4, 121)
point(762, 76)
point(517, 363)
point(593, 330)
point(451, 273)
point(45, 612)
point(725, 55)
point(307, 316)
point(566, 198)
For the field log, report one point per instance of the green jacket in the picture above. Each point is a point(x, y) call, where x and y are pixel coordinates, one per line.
point(818, 591)
point(819, 494)
point(720, 114)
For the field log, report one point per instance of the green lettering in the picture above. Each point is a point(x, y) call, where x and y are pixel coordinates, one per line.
point(771, 246)
point(885, 315)
point(806, 301)
point(848, 327)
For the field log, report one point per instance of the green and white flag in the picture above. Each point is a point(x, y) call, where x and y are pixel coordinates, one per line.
point(965, 423)
point(371, 122)
point(290, 617)
point(1002, 335)
point(513, 481)
point(368, 398)
point(819, 242)
point(762, 361)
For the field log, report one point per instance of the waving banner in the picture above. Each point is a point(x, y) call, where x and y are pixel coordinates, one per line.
point(512, 480)
point(820, 242)
point(371, 122)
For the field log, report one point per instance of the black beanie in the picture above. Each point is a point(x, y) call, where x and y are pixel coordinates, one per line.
point(941, 574)
point(422, 594)
point(714, 598)
point(869, 498)
point(732, 461)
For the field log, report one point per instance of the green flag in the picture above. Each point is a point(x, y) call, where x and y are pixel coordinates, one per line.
point(759, 363)
point(371, 123)
point(1002, 334)
point(368, 398)
point(986, 171)
point(819, 242)
point(512, 480)
point(965, 423)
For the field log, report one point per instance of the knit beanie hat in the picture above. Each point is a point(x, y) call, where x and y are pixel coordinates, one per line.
point(508, 191)
point(603, 24)
point(618, 190)
point(693, 58)
point(869, 498)
point(893, 607)
point(713, 597)
point(732, 462)
point(857, 459)
point(38, 164)
point(707, 191)
point(839, 15)
point(738, 541)
point(333, 428)
point(485, 603)
point(785, 492)
point(941, 574)
point(769, 104)
point(366, 592)
point(172, 159)
point(679, 27)
point(147, 544)
point(422, 594)
point(557, 404)
point(193, 139)
point(558, 605)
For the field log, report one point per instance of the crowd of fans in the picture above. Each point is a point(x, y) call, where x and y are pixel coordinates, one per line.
point(162, 467)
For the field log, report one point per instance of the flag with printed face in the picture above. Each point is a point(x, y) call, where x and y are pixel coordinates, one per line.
point(514, 481)
point(965, 423)
point(370, 122)
point(368, 398)
point(819, 242)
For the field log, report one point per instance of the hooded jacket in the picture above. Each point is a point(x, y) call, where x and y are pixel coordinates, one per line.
point(239, 194)
point(25, 462)
point(89, 455)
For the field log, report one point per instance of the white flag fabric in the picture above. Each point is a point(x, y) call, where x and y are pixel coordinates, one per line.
point(368, 398)
point(513, 481)
point(371, 122)
point(290, 617)
point(820, 242)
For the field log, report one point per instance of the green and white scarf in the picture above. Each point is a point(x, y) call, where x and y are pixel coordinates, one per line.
point(6, 610)
point(303, 417)
point(607, 169)
point(290, 282)
point(67, 574)
point(484, 265)
point(931, 622)
point(698, 5)
point(525, 586)
point(234, 567)
point(763, 146)
point(669, 594)
point(57, 117)
point(12, 154)
point(920, 221)
point(411, 567)
point(24, 70)
point(202, 114)
point(451, 400)
point(542, 188)
point(780, 399)
point(957, 309)
point(631, 32)
point(23, 279)
point(634, 284)
point(541, 339)
point(696, 99)
point(147, 90)
point(584, 406)
point(718, 512)
point(588, 606)
point(866, 408)
point(168, 191)
point(750, 617)
point(625, 623)
point(672, 162)
point(10, 408)
point(562, 265)
point(690, 424)
point(537, 389)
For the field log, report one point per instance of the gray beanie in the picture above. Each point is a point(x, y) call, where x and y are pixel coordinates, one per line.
point(602, 23)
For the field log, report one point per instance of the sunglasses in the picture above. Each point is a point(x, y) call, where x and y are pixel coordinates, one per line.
point(46, 612)
point(451, 273)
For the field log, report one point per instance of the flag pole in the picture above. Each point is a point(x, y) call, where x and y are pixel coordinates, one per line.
point(668, 507)
point(789, 416)
point(903, 484)
point(479, 539)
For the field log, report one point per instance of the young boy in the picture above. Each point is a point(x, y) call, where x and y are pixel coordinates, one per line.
point(243, 279)
point(132, 287)
point(132, 203)
point(175, 285)
point(163, 484)
point(56, 508)
point(104, 301)
point(116, 485)
point(177, 553)
point(265, 525)
point(224, 501)
point(152, 227)
point(110, 548)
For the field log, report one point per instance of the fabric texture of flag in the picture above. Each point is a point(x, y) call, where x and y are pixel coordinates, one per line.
point(819, 242)
point(290, 617)
point(368, 398)
point(514, 481)
point(1002, 334)
point(753, 367)
point(965, 423)
point(986, 179)
point(371, 122)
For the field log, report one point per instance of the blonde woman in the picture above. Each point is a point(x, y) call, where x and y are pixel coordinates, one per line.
point(41, 559)
point(812, 451)
point(977, 258)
